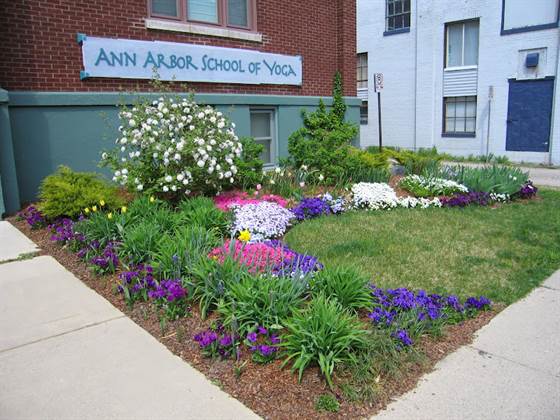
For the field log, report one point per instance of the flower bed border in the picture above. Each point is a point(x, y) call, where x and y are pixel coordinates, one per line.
point(266, 389)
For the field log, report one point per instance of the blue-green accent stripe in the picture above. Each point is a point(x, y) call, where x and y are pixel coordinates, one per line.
point(20, 98)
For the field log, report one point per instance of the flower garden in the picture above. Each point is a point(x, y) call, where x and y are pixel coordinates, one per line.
point(200, 246)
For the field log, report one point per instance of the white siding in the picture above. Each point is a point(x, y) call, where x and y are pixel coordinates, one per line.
point(413, 67)
point(460, 82)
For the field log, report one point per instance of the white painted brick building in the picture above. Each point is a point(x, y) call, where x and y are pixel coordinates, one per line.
point(441, 59)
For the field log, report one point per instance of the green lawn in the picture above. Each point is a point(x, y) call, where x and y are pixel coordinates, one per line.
point(501, 253)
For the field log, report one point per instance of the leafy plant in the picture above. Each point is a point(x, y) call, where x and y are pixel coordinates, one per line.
point(323, 333)
point(327, 402)
point(249, 165)
point(266, 300)
point(177, 252)
point(211, 280)
point(140, 242)
point(422, 186)
point(201, 211)
point(98, 227)
point(491, 179)
point(345, 284)
point(68, 193)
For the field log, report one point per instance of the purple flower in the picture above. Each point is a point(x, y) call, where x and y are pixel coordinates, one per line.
point(33, 217)
point(262, 330)
point(403, 337)
point(309, 208)
point(528, 190)
point(252, 337)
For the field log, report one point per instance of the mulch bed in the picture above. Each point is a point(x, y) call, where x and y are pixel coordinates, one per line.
point(271, 392)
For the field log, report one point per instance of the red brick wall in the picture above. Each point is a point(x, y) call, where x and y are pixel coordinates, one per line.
point(38, 49)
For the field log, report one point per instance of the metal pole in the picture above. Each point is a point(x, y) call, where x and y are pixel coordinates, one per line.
point(379, 118)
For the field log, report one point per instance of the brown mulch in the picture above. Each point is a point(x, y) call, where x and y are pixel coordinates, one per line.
point(270, 391)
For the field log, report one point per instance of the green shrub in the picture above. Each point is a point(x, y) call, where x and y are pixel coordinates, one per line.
point(327, 402)
point(322, 143)
point(345, 284)
point(266, 300)
point(324, 333)
point(421, 186)
point(68, 193)
point(176, 253)
point(201, 211)
point(250, 165)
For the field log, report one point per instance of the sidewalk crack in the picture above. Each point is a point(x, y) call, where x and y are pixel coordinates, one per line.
point(62, 333)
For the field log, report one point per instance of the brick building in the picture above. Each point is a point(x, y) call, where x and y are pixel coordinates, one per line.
point(65, 65)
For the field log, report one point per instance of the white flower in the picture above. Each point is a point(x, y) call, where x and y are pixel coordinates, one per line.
point(168, 178)
point(321, 177)
point(277, 170)
point(104, 156)
point(124, 171)
point(165, 188)
point(200, 115)
point(180, 177)
point(140, 187)
point(302, 184)
point(200, 163)
point(132, 123)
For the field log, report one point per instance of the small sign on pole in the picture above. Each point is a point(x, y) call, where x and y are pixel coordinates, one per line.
point(378, 87)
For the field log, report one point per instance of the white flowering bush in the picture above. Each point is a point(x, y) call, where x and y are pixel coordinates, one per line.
point(380, 196)
point(422, 186)
point(264, 220)
point(373, 196)
point(174, 146)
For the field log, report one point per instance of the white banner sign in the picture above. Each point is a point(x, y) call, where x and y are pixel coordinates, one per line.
point(130, 59)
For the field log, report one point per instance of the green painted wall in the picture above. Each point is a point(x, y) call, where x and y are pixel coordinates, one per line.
point(9, 191)
point(50, 129)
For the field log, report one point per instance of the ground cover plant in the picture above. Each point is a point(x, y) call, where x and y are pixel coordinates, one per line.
point(340, 281)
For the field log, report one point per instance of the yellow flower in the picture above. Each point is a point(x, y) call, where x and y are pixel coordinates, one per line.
point(109, 215)
point(86, 210)
point(123, 209)
point(244, 236)
point(152, 199)
point(94, 208)
point(102, 202)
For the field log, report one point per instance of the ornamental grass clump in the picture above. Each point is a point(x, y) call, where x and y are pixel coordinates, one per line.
point(345, 284)
point(263, 300)
point(173, 146)
point(263, 220)
point(324, 334)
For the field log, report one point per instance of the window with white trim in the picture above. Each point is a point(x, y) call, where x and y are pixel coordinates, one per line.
point(237, 14)
point(461, 48)
point(362, 70)
point(459, 115)
point(263, 130)
point(397, 15)
point(364, 113)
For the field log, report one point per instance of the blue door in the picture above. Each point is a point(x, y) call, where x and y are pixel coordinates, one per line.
point(529, 114)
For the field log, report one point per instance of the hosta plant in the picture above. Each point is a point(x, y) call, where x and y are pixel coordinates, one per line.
point(174, 146)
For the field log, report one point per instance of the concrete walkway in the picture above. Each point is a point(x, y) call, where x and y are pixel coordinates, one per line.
point(67, 353)
point(511, 371)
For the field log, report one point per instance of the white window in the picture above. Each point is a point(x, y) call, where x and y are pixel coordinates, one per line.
point(263, 130)
point(362, 70)
point(459, 115)
point(462, 44)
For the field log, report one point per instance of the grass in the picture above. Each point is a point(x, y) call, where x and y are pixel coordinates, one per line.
point(502, 253)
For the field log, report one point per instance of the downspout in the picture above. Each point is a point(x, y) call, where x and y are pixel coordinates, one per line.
point(552, 125)
point(415, 71)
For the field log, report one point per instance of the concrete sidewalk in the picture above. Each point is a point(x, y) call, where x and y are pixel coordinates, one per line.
point(67, 353)
point(511, 371)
